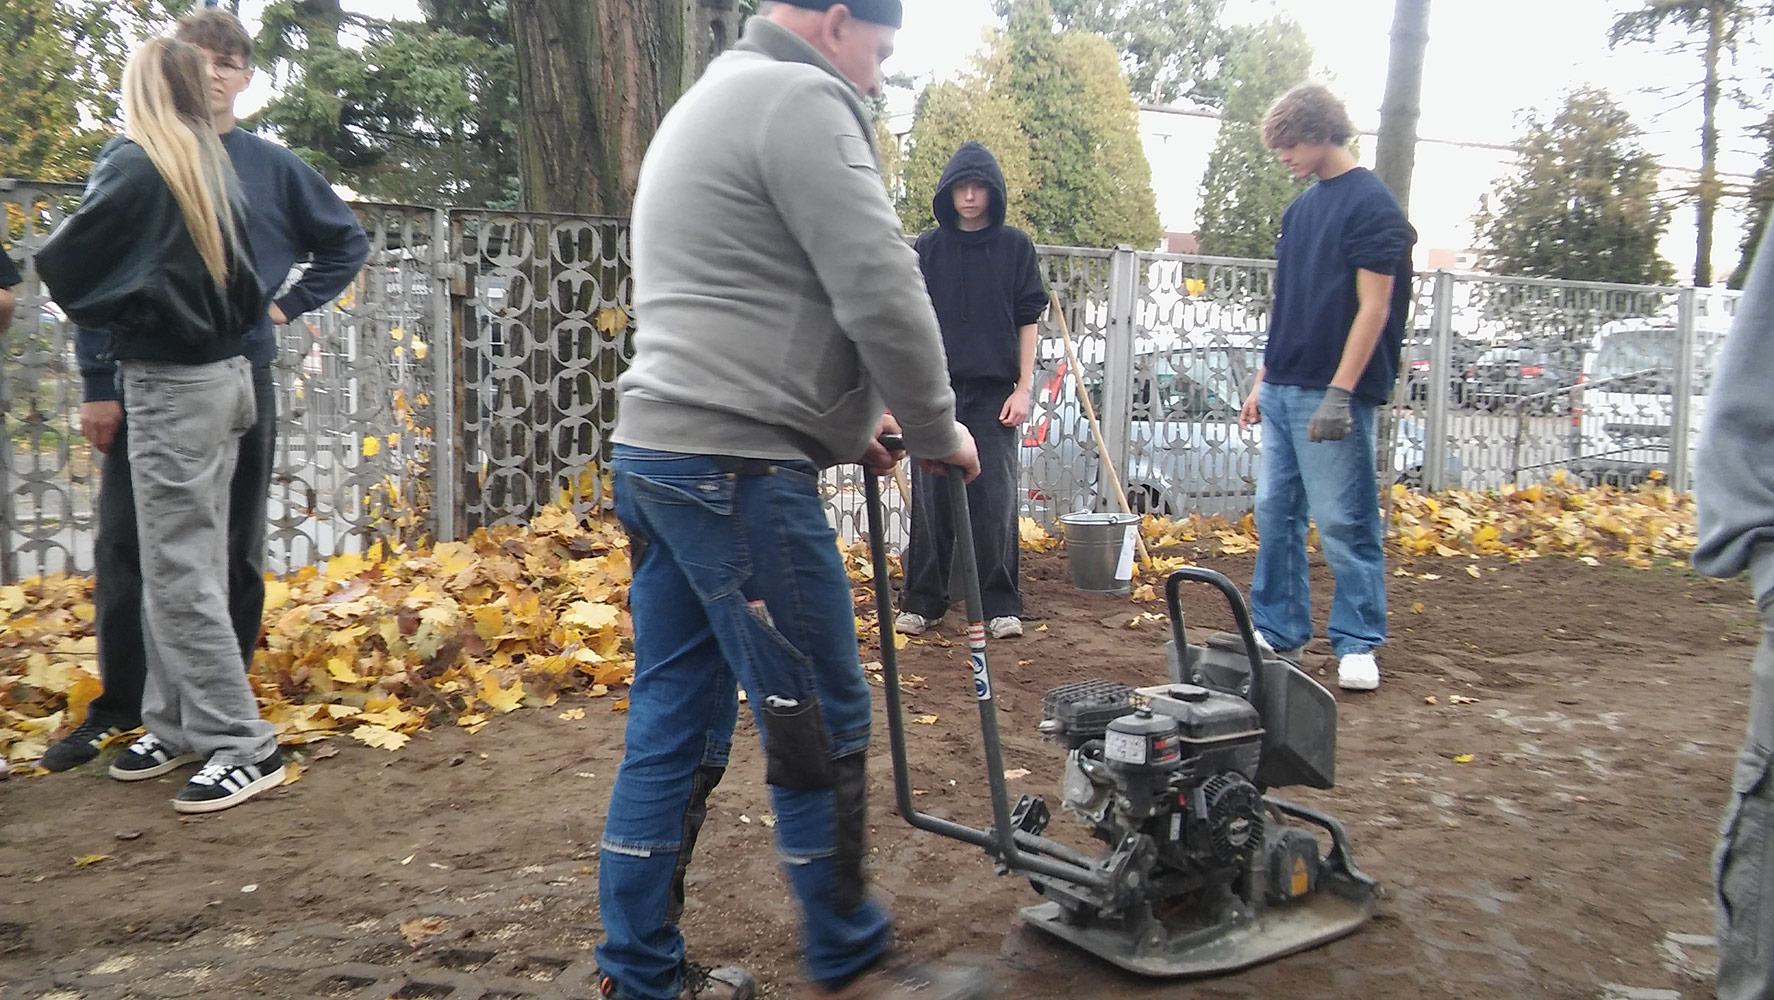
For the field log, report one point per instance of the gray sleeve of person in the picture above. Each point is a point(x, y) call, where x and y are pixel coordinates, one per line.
point(822, 174)
point(1734, 470)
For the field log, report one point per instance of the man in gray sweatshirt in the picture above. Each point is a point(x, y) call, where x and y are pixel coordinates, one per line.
point(1734, 490)
point(778, 307)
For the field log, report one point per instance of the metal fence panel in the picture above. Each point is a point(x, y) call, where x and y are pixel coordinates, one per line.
point(544, 327)
point(48, 476)
point(354, 406)
point(1201, 324)
point(356, 386)
point(1059, 454)
point(468, 375)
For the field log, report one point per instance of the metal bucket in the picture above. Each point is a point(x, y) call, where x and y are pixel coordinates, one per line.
point(1099, 548)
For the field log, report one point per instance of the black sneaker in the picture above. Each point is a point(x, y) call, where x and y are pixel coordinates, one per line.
point(146, 758)
point(219, 786)
point(729, 982)
point(81, 745)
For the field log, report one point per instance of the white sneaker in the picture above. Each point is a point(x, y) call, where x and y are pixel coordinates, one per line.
point(910, 624)
point(1358, 672)
point(1006, 627)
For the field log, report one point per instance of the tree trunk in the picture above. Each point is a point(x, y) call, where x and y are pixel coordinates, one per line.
point(594, 78)
point(1709, 147)
point(1396, 155)
point(714, 27)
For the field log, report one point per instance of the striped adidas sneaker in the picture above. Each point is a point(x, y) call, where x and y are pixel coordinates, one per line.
point(148, 757)
point(220, 786)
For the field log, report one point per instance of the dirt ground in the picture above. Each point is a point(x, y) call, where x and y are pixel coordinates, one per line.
point(1567, 857)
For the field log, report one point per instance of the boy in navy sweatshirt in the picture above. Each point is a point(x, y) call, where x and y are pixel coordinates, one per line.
point(985, 282)
point(294, 213)
point(1734, 507)
point(1342, 288)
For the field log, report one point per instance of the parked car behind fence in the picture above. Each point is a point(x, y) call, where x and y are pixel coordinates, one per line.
point(1186, 453)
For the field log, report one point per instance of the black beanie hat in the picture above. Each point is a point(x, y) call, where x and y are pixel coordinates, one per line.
point(887, 12)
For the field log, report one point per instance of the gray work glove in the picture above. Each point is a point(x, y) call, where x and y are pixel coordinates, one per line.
point(1332, 422)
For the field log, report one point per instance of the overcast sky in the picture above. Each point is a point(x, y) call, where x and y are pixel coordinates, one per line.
point(1486, 62)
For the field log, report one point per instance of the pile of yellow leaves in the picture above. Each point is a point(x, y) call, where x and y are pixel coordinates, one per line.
point(375, 646)
point(381, 645)
point(1637, 525)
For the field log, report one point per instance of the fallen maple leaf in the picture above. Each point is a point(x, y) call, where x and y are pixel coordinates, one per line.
point(380, 737)
point(419, 930)
point(501, 699)
point(1035, 538)
point(589, 615)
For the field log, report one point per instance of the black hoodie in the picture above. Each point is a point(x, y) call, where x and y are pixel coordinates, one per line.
point(985, 284)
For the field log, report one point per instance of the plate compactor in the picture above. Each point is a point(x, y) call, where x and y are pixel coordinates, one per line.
point(1203, 871)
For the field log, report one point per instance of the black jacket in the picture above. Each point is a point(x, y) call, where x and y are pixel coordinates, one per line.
point(125, 260)
point(985, 284)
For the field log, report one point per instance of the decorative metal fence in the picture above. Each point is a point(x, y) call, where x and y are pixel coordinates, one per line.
point(467, 378)
point(356, 405)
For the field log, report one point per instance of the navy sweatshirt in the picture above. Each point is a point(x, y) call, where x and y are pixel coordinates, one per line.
point(1334, 228)
point(293, 213)
point(985, 284)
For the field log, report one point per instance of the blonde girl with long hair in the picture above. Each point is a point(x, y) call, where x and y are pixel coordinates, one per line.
point(157, 254)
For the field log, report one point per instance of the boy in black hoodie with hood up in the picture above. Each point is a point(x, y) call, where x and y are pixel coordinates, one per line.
point(985, 282)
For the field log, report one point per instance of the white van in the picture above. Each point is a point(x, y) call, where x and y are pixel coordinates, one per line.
point(1625, 403)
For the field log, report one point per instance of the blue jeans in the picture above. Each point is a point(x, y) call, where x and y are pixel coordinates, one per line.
point(1333, 483)
point(737, 581)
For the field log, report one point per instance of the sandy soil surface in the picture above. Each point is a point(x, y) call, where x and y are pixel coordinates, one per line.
point(1567, 858)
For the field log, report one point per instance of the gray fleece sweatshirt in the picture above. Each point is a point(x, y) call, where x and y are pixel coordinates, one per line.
point(777, 304)
point(1734, 471)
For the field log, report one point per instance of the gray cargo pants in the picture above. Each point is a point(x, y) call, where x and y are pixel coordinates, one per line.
point(185, 423)
point(1743, 865)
